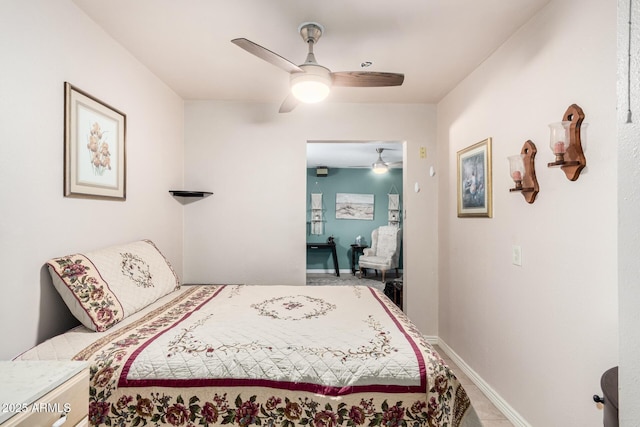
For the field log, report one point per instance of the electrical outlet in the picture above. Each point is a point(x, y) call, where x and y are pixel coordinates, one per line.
point(423, 152)
point(516, 255)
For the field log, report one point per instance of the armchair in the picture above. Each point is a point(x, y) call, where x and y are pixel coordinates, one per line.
point(384, 252)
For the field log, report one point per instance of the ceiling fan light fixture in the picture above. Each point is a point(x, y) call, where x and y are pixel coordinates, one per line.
point(310, 91)
point(311, 86)
point(379, 167)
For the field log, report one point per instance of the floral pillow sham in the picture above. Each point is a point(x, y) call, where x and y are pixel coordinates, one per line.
point(105, 286)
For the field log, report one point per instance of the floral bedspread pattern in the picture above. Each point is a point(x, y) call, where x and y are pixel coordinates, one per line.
point(371, 367)
point(80, 275)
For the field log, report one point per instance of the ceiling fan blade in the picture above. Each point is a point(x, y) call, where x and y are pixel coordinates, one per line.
point(269, 56)
point(366, 79)
point(289, 103)
point(390, 164)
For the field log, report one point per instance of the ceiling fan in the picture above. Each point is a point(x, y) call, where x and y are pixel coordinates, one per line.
point(311, 82)
point(380, 166)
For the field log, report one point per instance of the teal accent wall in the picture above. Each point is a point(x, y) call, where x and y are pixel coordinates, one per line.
point(345, 231)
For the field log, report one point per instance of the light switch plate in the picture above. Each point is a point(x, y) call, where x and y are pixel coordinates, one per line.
point(516, 255)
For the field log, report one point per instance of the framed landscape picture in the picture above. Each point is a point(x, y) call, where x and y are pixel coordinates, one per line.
point(94, 147)
point(475, 197)
point(354, 206)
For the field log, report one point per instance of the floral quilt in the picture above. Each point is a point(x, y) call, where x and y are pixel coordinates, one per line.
point(273, 355)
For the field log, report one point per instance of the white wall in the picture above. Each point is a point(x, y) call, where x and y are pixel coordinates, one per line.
point(253, 229)
point(629, 212)
point(44, 43)
point(542, 334)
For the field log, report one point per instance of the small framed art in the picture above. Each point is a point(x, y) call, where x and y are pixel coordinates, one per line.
point(94, 147)
point(475, 197)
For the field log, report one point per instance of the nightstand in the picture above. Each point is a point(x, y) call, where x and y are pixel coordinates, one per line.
point(355, 250)
point(393, 289)
point(38, 393)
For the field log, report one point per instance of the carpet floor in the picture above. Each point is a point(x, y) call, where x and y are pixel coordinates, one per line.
point(321, 279)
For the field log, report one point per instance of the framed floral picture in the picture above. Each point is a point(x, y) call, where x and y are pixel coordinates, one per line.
point(475, 198)
point(94, 147)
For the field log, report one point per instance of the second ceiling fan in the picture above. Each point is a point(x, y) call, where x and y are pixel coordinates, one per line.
point(310, 81)
point(381, 166)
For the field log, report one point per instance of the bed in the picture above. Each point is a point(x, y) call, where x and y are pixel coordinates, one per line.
point(205, 355)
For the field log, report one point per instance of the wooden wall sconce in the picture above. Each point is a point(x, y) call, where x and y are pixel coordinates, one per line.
point(523, 172)
point(566, 143)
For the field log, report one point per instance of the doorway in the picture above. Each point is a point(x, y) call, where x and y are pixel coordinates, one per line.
point(338, 169)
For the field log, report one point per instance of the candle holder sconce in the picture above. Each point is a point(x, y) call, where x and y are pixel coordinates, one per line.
point(566, 143)
point(523, 172)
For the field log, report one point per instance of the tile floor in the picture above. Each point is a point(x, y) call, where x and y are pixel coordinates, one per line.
point(487, 412)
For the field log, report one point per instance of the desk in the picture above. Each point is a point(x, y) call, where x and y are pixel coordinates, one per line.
point(332, 247)
point(355, 250)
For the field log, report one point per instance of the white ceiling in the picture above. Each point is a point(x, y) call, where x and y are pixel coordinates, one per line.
point(186, 43)
point(352, 154)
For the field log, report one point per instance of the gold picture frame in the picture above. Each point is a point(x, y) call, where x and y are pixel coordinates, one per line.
point(94, 147)
point(475, 195)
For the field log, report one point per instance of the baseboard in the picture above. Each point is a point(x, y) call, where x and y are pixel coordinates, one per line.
point(502, 405)
point(431, 339)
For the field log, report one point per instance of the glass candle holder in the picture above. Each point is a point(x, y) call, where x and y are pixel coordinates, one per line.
point(559, 140)
point(516, 169)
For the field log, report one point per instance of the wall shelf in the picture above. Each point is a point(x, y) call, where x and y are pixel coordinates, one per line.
point(316, 214)
point(182, 193)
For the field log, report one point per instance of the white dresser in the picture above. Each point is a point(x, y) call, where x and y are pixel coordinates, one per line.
point(44, 393)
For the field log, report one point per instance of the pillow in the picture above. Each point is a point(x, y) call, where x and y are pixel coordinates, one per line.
point(105, 286)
